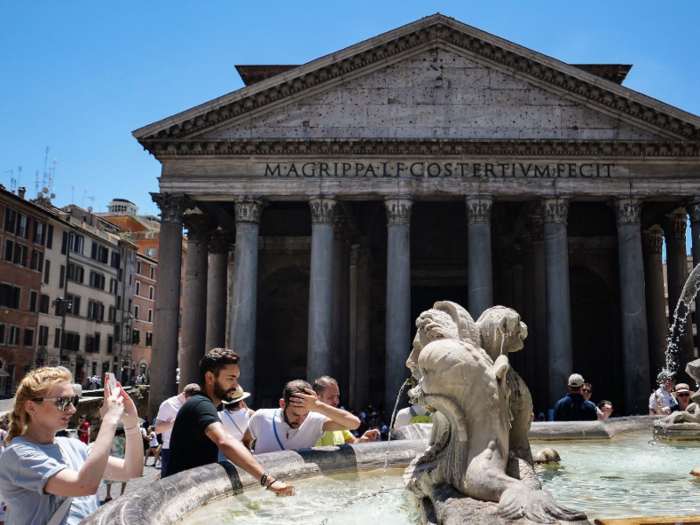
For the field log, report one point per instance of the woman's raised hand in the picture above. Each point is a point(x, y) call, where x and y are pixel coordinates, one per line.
point(113, 406)
point(130, 417)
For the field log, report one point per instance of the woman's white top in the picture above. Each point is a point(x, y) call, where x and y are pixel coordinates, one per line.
point(236, 422)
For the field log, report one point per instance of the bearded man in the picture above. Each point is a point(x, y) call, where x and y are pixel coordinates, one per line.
point(198, 434)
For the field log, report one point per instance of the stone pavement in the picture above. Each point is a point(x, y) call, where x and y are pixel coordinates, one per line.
point(149, 476)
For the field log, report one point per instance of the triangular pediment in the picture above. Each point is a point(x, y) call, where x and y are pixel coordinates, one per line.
point(434, 78)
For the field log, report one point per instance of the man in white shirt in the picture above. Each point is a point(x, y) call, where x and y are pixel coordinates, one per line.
point(166, 419)
point(661, 401)
point(299, 422)
point(406, 416)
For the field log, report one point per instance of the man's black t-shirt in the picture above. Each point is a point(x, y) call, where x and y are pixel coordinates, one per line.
point(189, 445)
point(574, 407)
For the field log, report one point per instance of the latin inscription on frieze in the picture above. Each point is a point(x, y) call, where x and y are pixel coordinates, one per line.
point(433, 170)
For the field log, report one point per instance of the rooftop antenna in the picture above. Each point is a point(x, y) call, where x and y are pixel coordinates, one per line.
point(82, 203)
point(91, 198)
point(36, 182)
point(19, 176)
point(72, 194)
point(13, 181)
point(46, 159)
point(52, 173)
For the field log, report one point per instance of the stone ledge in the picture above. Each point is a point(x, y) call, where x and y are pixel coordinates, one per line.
point(602, 429)
point(166, 501)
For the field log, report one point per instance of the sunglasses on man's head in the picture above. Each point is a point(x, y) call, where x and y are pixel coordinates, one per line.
point(62, 403)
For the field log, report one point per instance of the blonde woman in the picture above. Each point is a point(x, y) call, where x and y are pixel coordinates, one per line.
point(51, 480)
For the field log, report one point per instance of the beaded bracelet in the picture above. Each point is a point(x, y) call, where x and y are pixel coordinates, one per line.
point(132, 430)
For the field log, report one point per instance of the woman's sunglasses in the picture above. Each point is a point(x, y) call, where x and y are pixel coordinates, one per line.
point(62, 403)
point(682, 395)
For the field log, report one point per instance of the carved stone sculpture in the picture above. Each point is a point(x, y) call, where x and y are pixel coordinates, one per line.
point(469, 392)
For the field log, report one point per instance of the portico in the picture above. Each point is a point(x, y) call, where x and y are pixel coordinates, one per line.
point(432, 162)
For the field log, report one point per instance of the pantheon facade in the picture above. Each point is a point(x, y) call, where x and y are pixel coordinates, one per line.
point(328, 204)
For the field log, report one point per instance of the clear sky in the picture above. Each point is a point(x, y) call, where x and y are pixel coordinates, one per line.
point(80, 76)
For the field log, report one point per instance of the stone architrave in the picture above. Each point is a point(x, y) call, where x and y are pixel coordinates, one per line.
point(559, 343)
point(194, 316)
point(244, 299)
point(219, 245)
point(657, 325)
point(167, 307)
point(319, 361)
point(694, 211)
point(635, 342)
point(677, 273)
point(398, 294)
point(480, 270)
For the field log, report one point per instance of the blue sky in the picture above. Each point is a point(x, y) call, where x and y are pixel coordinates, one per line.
point(80, 76)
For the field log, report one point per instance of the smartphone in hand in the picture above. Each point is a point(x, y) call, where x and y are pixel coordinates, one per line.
point(112, 381)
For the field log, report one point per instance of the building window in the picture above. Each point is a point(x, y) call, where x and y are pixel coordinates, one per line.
point(136, 337)
point(9, 250)
point(44, 301)
point(110, 344)
point(112, 315)
point(95, 311)
point(28, 337)
point(10, 296)
point(151, 292)
point(150, 315)
point(138, 267)
point(23, 229)
point(149, 339)
point(20, 254)
point(119, 302)
point(49, 237)
point(57, 338)
point(129, 310)
point(33, 299)
point(75, 305)
point(138, 288)
point(100, 253)
point(76, 273)
point(47, 271)
point(61, 276)
point(39, 232)
point(117, 333)
point(92, 343)
point(97, 280)
point(36, 260)
point(10, 220)
point(76, 243)
point(112, 286)
point(3, 328)
point(116, 260)
point(152, 252)
point(14, 336)
point(43, 335)
point(71, 341)
point(136, 311)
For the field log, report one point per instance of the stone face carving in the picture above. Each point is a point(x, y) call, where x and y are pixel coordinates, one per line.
point(555, 209)
point(248, 209)
point(398, 210)
point(652, 240)
point(322, 209)
point(172, 206)
point(479, 208)
point(676, 224)
point(628, 211)
point(470, 393)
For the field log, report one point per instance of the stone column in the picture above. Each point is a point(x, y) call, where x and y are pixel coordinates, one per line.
point(635, 343)
point(694, 212)
point(319, 359)
point(398, 295)
point(194, 317)
point(529, 374)
point(360, 282)
point(244, 303)
point(556, 248)
point(677, 273)
point(479, 258)
point(657, 325)
point(539, 330)
point(217, 289)
point(341, 283)
point(167, 314)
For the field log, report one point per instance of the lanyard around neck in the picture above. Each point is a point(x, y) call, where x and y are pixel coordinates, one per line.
point(274, 427)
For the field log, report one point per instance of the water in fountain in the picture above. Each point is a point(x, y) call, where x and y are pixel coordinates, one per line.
point(392, 421)
point(680, 316)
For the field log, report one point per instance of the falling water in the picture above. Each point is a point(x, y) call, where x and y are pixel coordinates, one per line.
point(680, 315)
point(391, 426)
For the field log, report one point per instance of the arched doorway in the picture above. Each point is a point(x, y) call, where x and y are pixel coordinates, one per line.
point(596, 335)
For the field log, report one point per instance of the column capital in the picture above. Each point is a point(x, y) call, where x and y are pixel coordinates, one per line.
point(322, 209)
point(676, 225)
point(172, 206)
point(535, 224)
point(199, 226)
point(248, 209)
point(479, 208)
point(398, 209)
point(628, 210)
point(652, 240)
point(555, 209)
point(220, 241)
point(694, 210)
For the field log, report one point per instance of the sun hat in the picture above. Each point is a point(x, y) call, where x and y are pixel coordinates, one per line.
point(238, 395)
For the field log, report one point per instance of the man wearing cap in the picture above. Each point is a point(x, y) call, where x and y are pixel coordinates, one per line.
point(573, 407)
point(661, 402)
point(682, 395)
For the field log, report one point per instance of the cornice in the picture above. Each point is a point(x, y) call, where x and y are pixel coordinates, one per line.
point(542, 70)
point(164, 148)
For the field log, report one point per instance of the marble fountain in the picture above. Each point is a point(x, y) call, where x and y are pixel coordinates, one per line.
point(474, 464)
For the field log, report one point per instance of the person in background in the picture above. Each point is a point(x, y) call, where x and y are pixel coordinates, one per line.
point(683, 394)
point(573, 407)
point(606, 408)
point(153, 448)
point(166, 419)
point(411, 415)
point(327, 390)
point(587, 392)
point(235, 416)
point(83, 429)
point(42, 475)
point(661, 402)
point(117, 451)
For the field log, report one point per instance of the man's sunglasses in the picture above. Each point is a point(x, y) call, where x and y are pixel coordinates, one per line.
point(587, 391)
point(62, 403)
